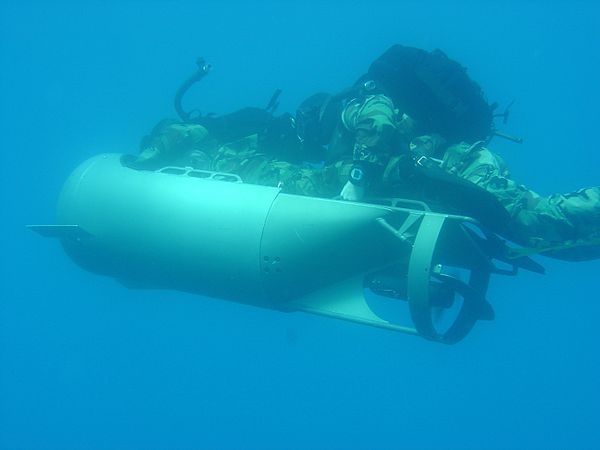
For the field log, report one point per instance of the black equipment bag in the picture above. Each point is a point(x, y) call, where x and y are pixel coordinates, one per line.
point(434, 90)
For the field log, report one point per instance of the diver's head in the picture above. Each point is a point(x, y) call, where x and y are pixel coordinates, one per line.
point(316, 118)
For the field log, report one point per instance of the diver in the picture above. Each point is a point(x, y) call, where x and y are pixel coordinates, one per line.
point(414, 126)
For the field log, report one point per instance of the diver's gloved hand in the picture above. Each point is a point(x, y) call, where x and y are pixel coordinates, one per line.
point(352, 193)
point(148, 159)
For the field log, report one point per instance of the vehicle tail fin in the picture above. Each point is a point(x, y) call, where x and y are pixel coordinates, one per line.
point(73, 232)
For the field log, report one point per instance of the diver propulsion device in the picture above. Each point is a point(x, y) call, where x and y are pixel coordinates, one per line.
point(394, 265)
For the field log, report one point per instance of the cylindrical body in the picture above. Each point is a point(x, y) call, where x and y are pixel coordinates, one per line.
point(216, 237)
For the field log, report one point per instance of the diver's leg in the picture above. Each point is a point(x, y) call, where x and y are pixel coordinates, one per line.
point(243, 158)
point(569, 220)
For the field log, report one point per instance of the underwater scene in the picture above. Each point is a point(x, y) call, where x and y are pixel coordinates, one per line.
point(299, 224)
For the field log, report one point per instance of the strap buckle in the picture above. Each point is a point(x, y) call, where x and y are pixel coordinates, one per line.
point(426, 161)
point(421, 161)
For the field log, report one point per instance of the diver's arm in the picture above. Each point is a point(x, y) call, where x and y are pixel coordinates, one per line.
point(372, 122)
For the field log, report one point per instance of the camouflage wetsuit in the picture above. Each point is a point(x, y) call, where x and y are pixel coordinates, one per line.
point(571, 220)
point(539, 222)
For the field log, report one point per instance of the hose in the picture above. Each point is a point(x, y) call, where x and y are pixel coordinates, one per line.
point(203, 69)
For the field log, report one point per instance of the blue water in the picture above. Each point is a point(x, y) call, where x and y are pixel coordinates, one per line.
point(86, 363)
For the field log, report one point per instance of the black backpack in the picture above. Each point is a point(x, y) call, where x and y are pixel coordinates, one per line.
point(434, 90)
